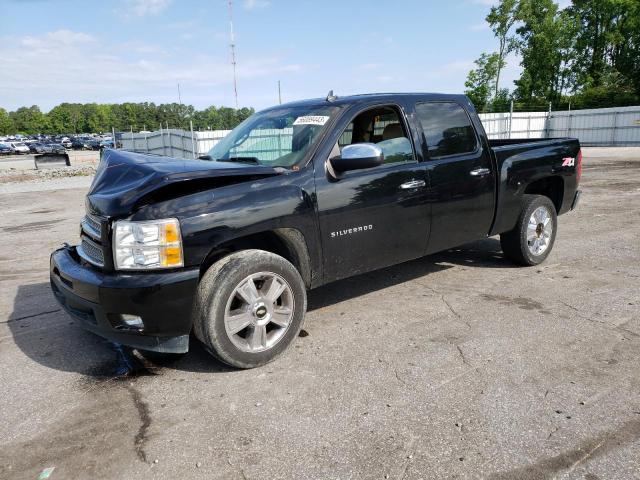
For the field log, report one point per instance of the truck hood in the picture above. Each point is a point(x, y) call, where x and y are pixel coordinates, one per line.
point(126, 180)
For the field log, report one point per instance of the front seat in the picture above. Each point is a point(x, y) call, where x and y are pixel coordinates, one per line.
point(393, 130)
point(395, 146)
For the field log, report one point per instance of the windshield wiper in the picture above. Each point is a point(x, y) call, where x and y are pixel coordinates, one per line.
point(252, 160)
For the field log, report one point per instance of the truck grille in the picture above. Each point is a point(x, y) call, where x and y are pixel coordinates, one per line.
point(92, 226)
point(93, 247)
point(91, 252)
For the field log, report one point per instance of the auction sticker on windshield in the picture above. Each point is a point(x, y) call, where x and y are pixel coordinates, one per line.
point(311, 120)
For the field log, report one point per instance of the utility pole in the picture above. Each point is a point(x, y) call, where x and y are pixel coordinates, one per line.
point(510, 119)
point(179, 106)
point(232, 45)
point(279, 94)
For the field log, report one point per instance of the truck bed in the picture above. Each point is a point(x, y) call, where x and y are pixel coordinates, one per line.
point(524, 161)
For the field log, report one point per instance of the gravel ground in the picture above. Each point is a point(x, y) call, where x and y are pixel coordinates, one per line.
point(18, 175)
point(80, 178)
point(458, 365)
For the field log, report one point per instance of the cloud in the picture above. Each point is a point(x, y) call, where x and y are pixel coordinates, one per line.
point(57, 39)
point(255, 4)
point(479, 27)
point(81, 68)
point(369, 66)
point(457, 66)
point(182, 25)
point(141, 8)
point(386, 79)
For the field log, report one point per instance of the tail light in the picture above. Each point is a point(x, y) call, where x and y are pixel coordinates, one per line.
point(579, 166)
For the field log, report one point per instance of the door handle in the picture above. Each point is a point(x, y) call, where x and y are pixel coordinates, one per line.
point(480, 172)
point(412, 184)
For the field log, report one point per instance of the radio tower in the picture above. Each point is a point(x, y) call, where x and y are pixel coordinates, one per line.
point(232, 45)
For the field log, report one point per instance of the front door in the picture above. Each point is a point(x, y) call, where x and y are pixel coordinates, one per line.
point(374, 217)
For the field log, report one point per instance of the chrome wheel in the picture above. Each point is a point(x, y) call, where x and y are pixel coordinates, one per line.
point(259, 312)
point(539, 231)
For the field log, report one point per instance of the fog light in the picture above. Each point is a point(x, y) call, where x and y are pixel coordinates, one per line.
point(131, 320)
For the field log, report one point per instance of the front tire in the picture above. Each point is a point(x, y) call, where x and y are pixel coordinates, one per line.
point(250, 306)
point(530, 242)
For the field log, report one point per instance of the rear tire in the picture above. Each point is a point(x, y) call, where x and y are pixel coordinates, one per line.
point(250, 306)
point(530, 242)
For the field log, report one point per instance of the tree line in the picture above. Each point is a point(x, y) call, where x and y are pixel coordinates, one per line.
point(72, 118)
point(586, 55)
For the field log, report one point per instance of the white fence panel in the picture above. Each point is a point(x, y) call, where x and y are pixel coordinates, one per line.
point(618, 126)
point(208, 139)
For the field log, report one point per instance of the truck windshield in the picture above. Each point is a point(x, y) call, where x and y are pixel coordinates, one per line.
point(281, 137)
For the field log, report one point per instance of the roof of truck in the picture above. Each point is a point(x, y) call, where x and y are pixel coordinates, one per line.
point(373, 97)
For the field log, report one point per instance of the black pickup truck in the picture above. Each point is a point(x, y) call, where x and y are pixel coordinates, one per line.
point(297, 196)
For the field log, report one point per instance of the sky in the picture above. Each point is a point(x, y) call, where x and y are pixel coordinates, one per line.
point(54, 51)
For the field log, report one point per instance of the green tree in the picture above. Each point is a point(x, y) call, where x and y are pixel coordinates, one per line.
point(546, 45)
point(67, 118)
point(94, 117)
point(502, 101)
point(608, 42)
point(6, 123)
point(29, 120)
point(97, 118)
point(501, 19)
point(481, 81)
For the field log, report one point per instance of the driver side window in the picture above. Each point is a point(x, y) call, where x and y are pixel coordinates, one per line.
point(384, 127)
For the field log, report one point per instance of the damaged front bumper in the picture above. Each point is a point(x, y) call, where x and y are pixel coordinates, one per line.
point(160, 303)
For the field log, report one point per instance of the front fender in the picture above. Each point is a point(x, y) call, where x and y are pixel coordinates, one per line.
point(282, 204)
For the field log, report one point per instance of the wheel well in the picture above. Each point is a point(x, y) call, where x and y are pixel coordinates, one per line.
point(551, 187)
point(289, 243)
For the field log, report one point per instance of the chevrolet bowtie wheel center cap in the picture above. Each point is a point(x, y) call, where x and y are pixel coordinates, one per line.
point(261, 313)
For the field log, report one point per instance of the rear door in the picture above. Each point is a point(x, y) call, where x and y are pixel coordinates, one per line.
point(462, 178)
point(374, 217)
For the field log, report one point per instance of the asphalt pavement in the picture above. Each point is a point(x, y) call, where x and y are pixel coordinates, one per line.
point(458, 365)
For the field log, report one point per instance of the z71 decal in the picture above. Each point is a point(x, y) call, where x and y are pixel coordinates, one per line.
point(568, 162)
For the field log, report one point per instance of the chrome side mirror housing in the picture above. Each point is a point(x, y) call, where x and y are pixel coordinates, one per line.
point(357, 156)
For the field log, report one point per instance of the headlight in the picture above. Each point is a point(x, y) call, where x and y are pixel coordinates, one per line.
point(147, 245)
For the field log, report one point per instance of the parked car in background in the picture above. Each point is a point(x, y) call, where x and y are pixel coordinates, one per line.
point(5, 149)
point(80, 143)
point(19, 148)
point(93, 144)
point(53, 148)
point(35, 147)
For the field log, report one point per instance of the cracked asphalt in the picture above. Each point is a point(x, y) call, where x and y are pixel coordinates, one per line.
point(458, 365)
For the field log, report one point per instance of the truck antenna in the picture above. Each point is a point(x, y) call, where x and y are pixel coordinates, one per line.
point(232, 45)
point(331, 97)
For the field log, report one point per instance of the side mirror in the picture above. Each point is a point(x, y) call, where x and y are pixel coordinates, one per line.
point(357, 157)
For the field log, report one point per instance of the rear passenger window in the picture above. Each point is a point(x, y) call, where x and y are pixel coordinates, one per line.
point(447, 129)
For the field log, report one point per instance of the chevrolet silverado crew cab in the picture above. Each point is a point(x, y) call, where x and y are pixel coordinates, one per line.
point(297, 196)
